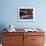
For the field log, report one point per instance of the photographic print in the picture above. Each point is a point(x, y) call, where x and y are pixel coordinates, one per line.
point(26, 14)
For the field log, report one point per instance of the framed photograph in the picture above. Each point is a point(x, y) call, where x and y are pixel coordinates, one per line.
point(26, 14)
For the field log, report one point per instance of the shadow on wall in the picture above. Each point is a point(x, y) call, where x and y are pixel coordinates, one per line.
point(2, 26)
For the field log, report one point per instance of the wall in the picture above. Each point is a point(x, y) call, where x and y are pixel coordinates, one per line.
point(8, 13)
